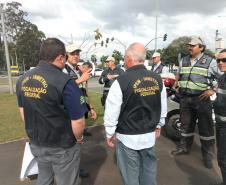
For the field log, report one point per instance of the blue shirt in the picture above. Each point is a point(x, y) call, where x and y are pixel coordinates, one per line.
point(74, 101)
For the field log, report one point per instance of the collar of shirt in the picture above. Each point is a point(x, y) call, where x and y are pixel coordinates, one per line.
point(193, 61)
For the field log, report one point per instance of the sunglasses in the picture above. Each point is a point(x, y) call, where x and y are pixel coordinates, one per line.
point(221, 60)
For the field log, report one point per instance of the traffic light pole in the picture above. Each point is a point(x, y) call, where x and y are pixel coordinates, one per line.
point(6, 50)
point(151, 41)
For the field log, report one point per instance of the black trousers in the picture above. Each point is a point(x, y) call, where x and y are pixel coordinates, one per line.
point(104, 97)
point(195, 111)
point(221, 148)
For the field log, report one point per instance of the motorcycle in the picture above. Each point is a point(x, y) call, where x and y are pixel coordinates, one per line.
point(172, 127)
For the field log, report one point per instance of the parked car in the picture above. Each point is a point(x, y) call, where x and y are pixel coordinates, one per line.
point(98, 72)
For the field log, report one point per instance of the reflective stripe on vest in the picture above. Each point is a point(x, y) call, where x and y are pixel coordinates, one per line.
point(220, 118)
point(207, 138)
point(187, 134)
point(194, 70)
point(193, 86)
point(221, 91)
point(194, 79)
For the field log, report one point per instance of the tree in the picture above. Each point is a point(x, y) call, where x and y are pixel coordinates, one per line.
point(24, 37)
point(103, 59)
point(117, 55)
point(94, 59)
point(28, 44)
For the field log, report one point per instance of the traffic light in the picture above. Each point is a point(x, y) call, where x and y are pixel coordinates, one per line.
point(165, 37)
point(107, 40)
point(102, 43)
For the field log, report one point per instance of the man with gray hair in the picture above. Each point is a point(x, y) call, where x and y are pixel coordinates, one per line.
point(135, 111)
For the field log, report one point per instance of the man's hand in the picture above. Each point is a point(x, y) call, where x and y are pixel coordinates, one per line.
point(206, 94)
point(157, 132)
point(110, 77)
point(110, 141)
point(85, 76)
point(93, 114)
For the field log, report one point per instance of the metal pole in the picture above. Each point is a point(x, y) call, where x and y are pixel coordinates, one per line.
point(156, 24)
point(6, 50)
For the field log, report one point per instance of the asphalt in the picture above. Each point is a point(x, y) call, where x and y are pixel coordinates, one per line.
point(100, 161)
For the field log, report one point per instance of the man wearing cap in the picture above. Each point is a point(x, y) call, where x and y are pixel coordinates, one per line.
point(157, 66)
point(72, 69)
point(196, 74)
point(108, 76)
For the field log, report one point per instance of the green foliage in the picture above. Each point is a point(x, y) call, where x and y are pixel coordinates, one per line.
point(117, 55)
point(103, 59)
point(24, 37)
point(94, 59)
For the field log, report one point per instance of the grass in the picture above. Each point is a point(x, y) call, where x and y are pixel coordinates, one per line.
point(12, 127)
point(5, 81)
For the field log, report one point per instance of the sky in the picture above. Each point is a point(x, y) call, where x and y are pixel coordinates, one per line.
point(127, 21)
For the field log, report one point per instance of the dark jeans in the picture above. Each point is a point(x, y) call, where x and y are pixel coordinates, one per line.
point(191, 110)
point(221, 148)
point(138, 167)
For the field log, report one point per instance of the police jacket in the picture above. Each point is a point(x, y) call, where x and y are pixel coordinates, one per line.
point(141, 107)
point(46, 121)
point(194, 79)
point(104, 80)
point(219, 103)
point(158, 69)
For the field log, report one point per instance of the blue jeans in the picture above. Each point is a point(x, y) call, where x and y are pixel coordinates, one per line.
point(138, 167)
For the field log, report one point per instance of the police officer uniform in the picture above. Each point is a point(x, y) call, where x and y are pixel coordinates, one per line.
point(220, 117)
point(194, 80)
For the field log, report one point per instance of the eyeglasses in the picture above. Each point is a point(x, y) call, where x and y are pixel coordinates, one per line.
point(221, 60)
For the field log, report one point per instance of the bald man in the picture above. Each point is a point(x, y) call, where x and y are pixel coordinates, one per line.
point(135, 112)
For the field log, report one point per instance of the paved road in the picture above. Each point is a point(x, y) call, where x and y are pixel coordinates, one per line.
point(100, 161)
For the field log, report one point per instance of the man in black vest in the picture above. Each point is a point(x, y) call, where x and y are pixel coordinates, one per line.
point(136, 108)
point(108, 76)
point(157, 66)
point(220, 115)
point(72, 69)
point(53, 109)
point(196, 72)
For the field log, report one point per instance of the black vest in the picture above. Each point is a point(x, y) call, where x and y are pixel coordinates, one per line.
point(158, 69)
point(220, 102)
point(47, 122)
point(141, 107)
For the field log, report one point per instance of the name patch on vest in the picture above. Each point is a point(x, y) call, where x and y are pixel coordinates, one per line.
point(34, 91)
point(146, 86)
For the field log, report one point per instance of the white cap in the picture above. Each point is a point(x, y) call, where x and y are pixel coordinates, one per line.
point(195, 41)
point(110, 59)
point(72, 47)
point(156, 54)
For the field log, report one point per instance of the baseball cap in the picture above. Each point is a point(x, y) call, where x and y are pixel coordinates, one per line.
point(72, 47)
point(156, 54)
point(195, 41)
point(110, 59)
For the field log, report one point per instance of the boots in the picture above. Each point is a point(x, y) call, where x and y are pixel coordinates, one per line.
point(182, 147)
